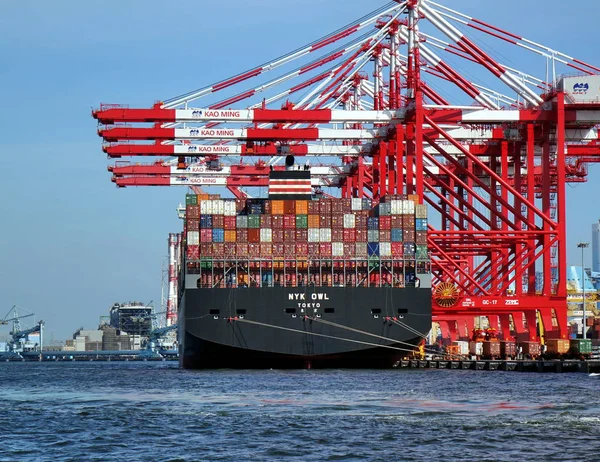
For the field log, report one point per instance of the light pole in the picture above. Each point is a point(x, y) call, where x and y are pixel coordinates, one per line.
point(583, 245)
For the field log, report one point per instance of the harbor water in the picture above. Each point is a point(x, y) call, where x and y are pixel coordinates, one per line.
point(157, 412)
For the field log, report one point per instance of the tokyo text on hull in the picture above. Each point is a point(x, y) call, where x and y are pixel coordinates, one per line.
point(301, 327)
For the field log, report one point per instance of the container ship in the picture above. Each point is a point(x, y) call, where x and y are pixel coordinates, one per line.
point(301, 281)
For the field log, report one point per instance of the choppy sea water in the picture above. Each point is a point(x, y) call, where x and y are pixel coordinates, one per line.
point(156, 412)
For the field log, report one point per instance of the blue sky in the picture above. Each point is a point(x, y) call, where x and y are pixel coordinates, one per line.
point(72, 244)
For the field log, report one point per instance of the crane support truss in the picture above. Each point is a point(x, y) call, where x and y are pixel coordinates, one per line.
point(387, 112)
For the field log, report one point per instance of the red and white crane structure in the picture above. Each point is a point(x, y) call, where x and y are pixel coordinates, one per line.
point(385, 107)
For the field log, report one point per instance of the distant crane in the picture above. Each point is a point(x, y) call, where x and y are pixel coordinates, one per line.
point(19, 343)
point(154, 347)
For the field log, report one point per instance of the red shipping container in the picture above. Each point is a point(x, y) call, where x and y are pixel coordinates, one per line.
point(349, 235)
point(408, 222)
point(206, 250)
point(361, 235)
point(396, 221)
point(277, 221)
point(313, 207)
point(408, 235)
point(193, 225)
point(240, 205)
point(385, 236)
point(241, 250)
point(218, 221)
point(265, 221)
point(337, 235)
point(346, 205)
point(242, 235)
point(337, 220)
point(325, 206)
point(229, 223)
point(218, 249)
point(313, 249)
point(206, 235)
point(289, 221)
point(301, 249)
point(385, 223)
point(268, 207)
point(421, 237)
point(277, 236)
point(325, 221)
point(397, 249)
point(278, 250)
point(302, 235)
point(192, 211)
point(289, 235)
point(289, 207)
point(337, 206)
point(361, 221)
point(349, 249)
point(254, 250)
point(229, 249)
point(266, 250)
point(325, 249)
point(193, 252)
point(253, 235)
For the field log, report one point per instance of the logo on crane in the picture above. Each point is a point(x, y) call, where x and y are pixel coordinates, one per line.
point(581, 88)
point(196, 113)
point(446, 294)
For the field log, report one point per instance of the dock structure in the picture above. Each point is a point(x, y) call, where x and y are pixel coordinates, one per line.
point(525, 365)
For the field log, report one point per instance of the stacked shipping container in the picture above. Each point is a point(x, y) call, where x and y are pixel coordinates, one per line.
point(300, 235)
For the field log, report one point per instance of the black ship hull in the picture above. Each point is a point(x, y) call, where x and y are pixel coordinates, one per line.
point(301, 327)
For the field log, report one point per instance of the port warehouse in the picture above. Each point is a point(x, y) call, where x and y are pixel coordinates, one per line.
point(494, 175)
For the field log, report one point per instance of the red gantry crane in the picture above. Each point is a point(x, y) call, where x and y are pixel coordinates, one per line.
point(403, 101)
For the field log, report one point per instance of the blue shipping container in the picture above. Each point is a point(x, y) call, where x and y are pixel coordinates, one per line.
point(218, 235)
point(409, 249)
point(396, 235)
point(206, 221)
point(421, 224)
point(373, 223)
point(373, 249)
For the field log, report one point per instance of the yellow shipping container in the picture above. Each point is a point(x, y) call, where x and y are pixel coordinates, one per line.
point(276, 207)
point(230, 236)
point(558, 346)
point(414, 198)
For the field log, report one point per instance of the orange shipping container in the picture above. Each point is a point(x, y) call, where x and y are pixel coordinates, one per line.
point(277, 207)
point(230, 236)
point(314, 221)
point(301, 207)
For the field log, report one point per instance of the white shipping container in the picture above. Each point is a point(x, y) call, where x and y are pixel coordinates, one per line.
point(229, 209)
point(313, 235)
point(476, 348)
point(206, 207)
point(266, 235)
point(337, 249)
point(410, 208)
point(193, 238)
point(218, 207)
point(463, 347)
point(396, 206)
point(361, 248)
point(349, 220)
point(356, 204)
point(385, 249)
point(325, 235)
